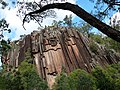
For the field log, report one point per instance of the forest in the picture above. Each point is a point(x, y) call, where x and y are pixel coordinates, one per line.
point(26, 77)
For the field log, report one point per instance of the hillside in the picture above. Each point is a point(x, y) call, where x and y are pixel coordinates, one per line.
point(57, 48)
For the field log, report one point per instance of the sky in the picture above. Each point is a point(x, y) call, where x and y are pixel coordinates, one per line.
point(15, 23)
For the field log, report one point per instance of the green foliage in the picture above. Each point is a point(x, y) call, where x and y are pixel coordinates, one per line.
point(103, 79)
point(93, 47)
point(76, 80)
point(61, 82)
point(29, 78)
point(84, 28)
point(100, 79)
point(108, 78)
point(28, 56)
point(11, 80)
point(68, 20)
point(5, 47)
point(114, 72)
point(2, 82)
point(97, 38)
point(116, 66)
point(117, 27)
point(81, 80)
point(24, 77)
point(106, 41)
point(4, 26)
point(112, 44)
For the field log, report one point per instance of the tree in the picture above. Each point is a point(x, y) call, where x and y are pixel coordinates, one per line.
point(104, 8)
point(114, 71)
point(10, 80)
point(5, 47)
point(44, 10)
point(3, 4)
point(84, 28)
point(81, 80)
point(108, 78)
point(61, 82)
point(106, 29)
point(4, 26)
point(68, 20)
point(76, 80)
point(29, 77)
point(112, 44)
point(105, 41)
point(24, 77)
point(2, 82)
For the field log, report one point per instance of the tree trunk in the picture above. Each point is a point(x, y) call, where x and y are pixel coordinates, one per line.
point(104, 28)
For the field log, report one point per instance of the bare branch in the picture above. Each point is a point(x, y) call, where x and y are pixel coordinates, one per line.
point(106, 29)
point(40, 6)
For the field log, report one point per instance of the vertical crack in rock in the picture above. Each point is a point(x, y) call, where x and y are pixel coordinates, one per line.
point(55, 48)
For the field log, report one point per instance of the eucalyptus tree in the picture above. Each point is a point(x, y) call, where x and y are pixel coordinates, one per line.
point(44, 8)
point(105, 8)
point(4, 26)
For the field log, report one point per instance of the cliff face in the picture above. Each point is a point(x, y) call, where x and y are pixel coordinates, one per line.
point(56, 48)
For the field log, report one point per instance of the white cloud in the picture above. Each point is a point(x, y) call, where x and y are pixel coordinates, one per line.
point(115, 19)
point(16, 23)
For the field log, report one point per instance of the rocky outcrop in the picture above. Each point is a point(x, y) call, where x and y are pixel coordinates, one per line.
point(54, 49)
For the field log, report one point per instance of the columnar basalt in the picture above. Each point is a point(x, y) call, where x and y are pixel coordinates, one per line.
point(56, 48)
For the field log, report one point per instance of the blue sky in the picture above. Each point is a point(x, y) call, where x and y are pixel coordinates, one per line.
point(16, 23)
point(86, 5)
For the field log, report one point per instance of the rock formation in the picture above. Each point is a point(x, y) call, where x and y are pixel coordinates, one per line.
point(54, 48)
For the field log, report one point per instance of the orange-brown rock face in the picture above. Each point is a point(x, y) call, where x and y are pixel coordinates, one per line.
point(56, 48)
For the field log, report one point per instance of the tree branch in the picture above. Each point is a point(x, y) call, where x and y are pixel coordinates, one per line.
point(106, 29)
